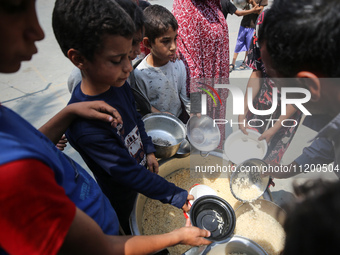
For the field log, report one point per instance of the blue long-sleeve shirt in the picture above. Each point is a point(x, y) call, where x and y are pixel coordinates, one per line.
point(116, 156)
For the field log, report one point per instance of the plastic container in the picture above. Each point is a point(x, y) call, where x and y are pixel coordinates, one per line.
point(239, 147)
point(214, 214)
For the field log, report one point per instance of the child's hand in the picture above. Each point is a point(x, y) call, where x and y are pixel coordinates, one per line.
point(268, 134)
point(196, 114)
point(192, 235)
point(152, 163)
point(257, 9)
point(97, 110)
point(186, 207)
point(242, 119)
point(62, 143)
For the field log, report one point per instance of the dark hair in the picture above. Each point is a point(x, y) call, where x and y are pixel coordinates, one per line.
point(158, 20)
point(303, 35)
point(312, 227)
point(134, 11)
point(81, 24)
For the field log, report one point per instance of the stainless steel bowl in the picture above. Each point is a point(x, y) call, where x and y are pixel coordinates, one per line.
point(167, 133)
point(184, 149)
point(236, 244)
point(240, 3)
point(203, 134)
point(251, 170)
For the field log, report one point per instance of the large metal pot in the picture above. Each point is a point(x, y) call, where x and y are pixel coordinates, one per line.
point(266, 206)
point(167, 167)
point(167, 133)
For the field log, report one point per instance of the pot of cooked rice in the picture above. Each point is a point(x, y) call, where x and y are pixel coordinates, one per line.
point(262, 222)
point(150, 217)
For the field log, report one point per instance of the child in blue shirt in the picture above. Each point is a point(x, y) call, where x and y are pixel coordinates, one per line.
point(100, 46)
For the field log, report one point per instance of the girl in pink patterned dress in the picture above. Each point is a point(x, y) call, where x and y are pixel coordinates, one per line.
point(277, 136)
point(203, 45)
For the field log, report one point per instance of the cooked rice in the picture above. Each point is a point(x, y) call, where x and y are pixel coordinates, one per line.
point(159, 218)
point(262, 229)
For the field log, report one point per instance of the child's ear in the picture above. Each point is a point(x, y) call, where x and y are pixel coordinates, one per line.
point(147, 42)
point(76, 58)
point(312, 83)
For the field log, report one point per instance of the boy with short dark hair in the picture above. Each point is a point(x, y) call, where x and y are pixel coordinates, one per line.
point(97, 37)
point(292, 46)
point(49, 204)
point(162, 81)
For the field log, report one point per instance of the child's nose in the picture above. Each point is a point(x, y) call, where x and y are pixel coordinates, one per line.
point(127, 66)
point(173, 45)
point(33, 30)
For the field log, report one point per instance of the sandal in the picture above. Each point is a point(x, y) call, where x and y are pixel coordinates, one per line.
point(243, 66)
point(231, 68)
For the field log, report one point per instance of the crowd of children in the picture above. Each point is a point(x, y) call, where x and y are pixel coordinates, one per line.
point(66, 210)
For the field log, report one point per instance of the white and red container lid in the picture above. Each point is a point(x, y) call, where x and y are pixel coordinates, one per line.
point(199, 190)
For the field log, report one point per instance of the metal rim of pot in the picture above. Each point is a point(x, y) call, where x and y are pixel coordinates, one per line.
point(237, 171)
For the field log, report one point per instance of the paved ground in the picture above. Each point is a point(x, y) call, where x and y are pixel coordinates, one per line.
point(39, 89)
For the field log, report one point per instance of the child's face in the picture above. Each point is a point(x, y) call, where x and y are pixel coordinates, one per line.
point(164, 47)
point(137, 39)
point(111, 65)
point(19, 29)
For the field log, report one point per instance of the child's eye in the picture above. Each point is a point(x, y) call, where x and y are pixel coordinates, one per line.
point(116, 62)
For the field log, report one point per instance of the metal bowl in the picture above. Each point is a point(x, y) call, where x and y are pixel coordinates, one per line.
point(203, 134)
point(249, 173)
point(240, 3)
point(235, 244)
point(167, 133)
point(184, 149)
point(232, 245)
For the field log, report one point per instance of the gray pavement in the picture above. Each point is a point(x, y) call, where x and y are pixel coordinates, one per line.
point(39, 90)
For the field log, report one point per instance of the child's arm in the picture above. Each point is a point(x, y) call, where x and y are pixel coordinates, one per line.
point(254, 83)
point(152, 163)
point(270, 132)
point(255, 9)
point(182, 83)
point(55, 127)
point(86, 237)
